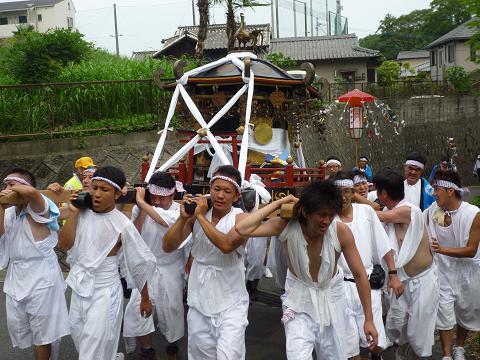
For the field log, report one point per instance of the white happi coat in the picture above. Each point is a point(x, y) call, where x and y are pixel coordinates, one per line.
point(96, 305)
point(411, 318)
point(216, 280)
point(459, 278)
point(370, 237)
point(166, 286)
point(305, 295)
point(217, 296)
point(34, 282)
point(373, 244)
point(313, 303)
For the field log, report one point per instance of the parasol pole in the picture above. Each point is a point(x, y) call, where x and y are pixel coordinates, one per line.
point(356, 151)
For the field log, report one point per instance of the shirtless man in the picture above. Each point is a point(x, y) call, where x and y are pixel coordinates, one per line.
point(411, 317)
point(373, 245)
point(94, 238)
point(217, 297)
point(454, 226)
point(314, 301)
point(34, 286)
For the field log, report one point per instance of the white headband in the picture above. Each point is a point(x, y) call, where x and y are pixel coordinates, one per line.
point(344, 183)
point(448, 185)
point(108, 181)
point(162, 191)
point(92, 170)
point(17, 179)
point(415, 163)
point(363, 159)
point(333, 161)
point(359, 179)
point(221, 177)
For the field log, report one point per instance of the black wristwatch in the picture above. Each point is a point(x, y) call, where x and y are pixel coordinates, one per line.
point(392, 272)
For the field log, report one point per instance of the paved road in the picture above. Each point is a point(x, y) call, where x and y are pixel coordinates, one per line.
point(265, 339)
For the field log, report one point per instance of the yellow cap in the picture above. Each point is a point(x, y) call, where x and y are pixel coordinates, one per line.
point(84, 162)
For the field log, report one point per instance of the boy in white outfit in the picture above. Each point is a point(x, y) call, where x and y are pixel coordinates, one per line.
point(153, 220)
point(374, 248)
point(411, 317)
point(34, 286)
point(454, 226)
point(314, 300)
point(95, 237)
point(217, 297)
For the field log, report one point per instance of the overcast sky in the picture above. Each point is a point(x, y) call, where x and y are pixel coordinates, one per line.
point(143, 24)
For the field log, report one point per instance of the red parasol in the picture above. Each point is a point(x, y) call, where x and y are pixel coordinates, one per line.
point(356, 97)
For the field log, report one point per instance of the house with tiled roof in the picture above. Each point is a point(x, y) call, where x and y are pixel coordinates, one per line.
point(42, 15)
point(419, 61)
point(334, 57)
point(452, 49)
point(185, 40)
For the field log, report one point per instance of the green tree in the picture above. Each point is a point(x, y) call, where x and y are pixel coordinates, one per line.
point(34, 57)
point(417, 29)
point(388, 72)
point(458, 76)
point(203, 6)
point(281, 60)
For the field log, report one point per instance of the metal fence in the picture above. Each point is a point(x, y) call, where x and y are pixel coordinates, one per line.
point(52, 107)
point(58, 107)
point(395, 89)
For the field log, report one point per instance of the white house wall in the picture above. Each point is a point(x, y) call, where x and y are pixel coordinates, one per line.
point(462, 58)
point(333, 70)
point(52, 17)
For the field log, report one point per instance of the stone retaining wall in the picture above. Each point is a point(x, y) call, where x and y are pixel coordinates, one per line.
point(429, 122)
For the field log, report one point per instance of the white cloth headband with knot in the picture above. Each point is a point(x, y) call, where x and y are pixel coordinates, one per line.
point(108, 181)
point(162, 191)
point(449, 185)
point(17, 179)
point(333, 162)
point(415, 163)
point(89, 170)
point(344, 183)
point(226, 178)
point(357, 179)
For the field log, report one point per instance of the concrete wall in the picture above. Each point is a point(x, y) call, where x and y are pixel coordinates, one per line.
point(430, 121)
point(53, 160)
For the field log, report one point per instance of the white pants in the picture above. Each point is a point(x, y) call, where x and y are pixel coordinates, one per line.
point(303, 335)
point(219, 337)
point(95, 322)
point(355, 334)
point(167, 295)
point(254, 258)
point(411, 318)
point(39, 319)
point(459, 296)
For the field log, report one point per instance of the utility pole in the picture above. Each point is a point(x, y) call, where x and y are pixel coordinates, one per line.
point(193, 12)
point(116, 28)
point(272, 19)
point(276, 14)
point(311, 17)
point(305, 11)
point(339, 18)
point(294, 19)
point(329, 32)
